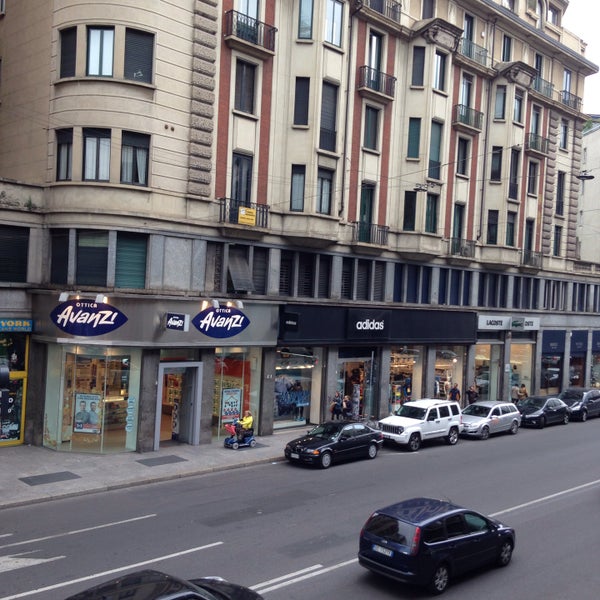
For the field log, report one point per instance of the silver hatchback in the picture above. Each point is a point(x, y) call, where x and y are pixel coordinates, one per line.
point(481, 419)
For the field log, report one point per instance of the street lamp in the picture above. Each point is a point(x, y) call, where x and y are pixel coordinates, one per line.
point(584, 176)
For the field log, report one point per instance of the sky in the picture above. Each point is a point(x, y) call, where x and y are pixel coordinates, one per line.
point(582, 18)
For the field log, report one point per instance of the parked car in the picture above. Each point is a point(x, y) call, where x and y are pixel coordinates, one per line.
point(421, 420)
point(539, 411)
point(427, 542)
point(334, 441)
point(583, 402)
point(154, 585)
point(483, 418)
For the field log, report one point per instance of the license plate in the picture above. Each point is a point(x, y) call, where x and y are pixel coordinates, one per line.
point(383, 550)
point(295, 455)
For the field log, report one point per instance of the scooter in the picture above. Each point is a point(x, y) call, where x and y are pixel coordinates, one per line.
point(234, 442)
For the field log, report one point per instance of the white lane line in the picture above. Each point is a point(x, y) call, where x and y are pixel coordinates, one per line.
point(110, 572)
point(21, 561)
point(294, 574)
point(301, 578)
point(76, 531)
point(577, 488)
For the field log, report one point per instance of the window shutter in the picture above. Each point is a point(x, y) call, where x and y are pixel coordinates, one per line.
point(131, 260)
point(324, 277)
point(286, 274)
point(362, 280)
point(347, 269)
point(418, 66)
point(14, 246)
point(260, 270)
point(306, 269)
point(68, 48)
point(60, 255)
point(301, 101)
point(139, 50)
point(379, 282)
point(92, 258)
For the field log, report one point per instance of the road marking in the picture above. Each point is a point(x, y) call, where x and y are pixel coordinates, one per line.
point(10, 563)
point(76, 531)
point(110, 572)
point(294, 574)
point(577, 488)
point(261, 590)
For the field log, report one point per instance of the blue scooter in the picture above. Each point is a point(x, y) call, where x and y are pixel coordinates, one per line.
point(234, 442)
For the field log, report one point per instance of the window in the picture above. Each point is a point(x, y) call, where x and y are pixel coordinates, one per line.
point(96, 154)
point(439, 71)
point(241, 180)
point(435, 149)
point(245, 74)
point(513, 184)
point(462, 156)
point(518, 108)
point(301, 101)
point(553, 15)
point(367, 201)
point(134, 158)
point(506, 48)
point(139, 55)
point(560, 193)
point(496, 168)
point(428, 9)
point(64, 154)
point(500, 103)
point(14, 250)
point(324, 191)
point(564, 134)
point(92, 258)
point(333, 22)
point(410, 210)
point(536, 119)
point(297, 187)
point(414, 137)
point(466, 89)
point(418, 66)
point(68, 51)
point(371, 128)
point(59, 256)
point(511, 222)
point(557, 240)
point(305, 19)
point(532, 175)
point(431, 213)
point(100, 51)
point(510, 4)
point(492, 227)
point(130, 266)
point(328, 134)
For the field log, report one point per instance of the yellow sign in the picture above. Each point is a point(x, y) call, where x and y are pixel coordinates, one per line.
point(246, 216)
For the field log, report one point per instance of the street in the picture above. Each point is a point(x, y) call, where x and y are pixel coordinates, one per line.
point(291, 532)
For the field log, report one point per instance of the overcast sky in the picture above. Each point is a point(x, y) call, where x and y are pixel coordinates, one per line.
point(582, 18)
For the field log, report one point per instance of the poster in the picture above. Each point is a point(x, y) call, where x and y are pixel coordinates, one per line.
point(231, 404)
point(87, 414)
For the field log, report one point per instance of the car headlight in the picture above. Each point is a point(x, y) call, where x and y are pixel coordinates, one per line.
point(575, 406)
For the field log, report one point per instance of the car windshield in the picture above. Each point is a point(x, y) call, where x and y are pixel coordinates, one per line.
point(570, 396)
point(533, 403)
point(411, 412)
point(326, 430)
point(476, 410)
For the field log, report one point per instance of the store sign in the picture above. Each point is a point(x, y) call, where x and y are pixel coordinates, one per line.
point(16, 324)
point(179, 322)
point(87, 318)
point(368, 324)
point(503, 323)
point(221, 322)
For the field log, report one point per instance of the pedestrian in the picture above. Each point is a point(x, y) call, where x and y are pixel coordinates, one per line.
point(514, 392)
point(335, 408)
point(522, 392)
point(455, 393)
point(472, 395)
point(347, 407)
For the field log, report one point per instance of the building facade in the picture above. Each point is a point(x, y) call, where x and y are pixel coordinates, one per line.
point(254, 204)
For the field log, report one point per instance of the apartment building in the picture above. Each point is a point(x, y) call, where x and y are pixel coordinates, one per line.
point(214, 206)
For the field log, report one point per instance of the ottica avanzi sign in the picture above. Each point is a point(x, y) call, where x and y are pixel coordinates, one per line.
point(221, 322)
point(87, 318)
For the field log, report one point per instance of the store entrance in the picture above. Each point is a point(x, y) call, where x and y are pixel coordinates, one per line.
point(178, 404)
point(356, 379)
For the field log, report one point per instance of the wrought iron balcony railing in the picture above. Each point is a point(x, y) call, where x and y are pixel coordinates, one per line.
point(471, 50)
point(387, 8)
point(570, 100)
point(250, 30)
point(468, 116)
point(537, 143)
point(546, 88)
point(369, 233)
point(238, 212)
point(377, 81)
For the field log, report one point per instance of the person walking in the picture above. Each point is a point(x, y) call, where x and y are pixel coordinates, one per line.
point(472, 395)
point(335, 408)
point(523, 393)
point(455, 393)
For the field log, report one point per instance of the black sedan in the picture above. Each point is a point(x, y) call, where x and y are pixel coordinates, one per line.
point(154, 585)
point(539, 411)
point(583, 402)
point(334, 441)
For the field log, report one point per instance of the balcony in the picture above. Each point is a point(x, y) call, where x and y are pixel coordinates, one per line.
point(543, 87)
point(243, 219)
point(472, 51)
point(376, 84)
point(249, 35)
point(531, 261)
point(467, 118)
point(537, 143)
point(459, 248)
point(386, 8)
point(369, 233)
point(570, 100)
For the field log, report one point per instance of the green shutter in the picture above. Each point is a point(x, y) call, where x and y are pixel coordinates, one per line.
point(130, 269)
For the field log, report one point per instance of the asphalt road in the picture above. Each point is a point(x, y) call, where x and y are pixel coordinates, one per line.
point(291, 532)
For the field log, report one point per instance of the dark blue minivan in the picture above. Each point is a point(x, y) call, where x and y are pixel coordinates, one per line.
point(425, 541)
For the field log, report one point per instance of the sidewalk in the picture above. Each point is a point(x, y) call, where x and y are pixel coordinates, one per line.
point(31, 474)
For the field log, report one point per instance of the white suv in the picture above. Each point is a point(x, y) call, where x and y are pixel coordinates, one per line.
point(420, 420)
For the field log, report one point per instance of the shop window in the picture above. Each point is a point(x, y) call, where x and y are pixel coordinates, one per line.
point(14, 245)
point(449, 366)
point(13, 355)
point(406, 368)
point(551, 373)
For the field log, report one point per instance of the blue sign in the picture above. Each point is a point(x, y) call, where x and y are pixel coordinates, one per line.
point(16, 324)
point(87, 318)
point(221, 322)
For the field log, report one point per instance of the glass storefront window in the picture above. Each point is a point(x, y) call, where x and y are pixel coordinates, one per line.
point(449, 369)
point(595, 370)
point(92, 399)
point(521, 368)
point(356, 378)
point(488, 361)
point(13, 356)
point(406, 375)
point(551, 375)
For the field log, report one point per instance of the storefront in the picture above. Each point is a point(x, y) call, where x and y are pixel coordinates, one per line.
point(140, 373)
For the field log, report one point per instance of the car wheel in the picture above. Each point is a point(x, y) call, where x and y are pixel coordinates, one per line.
point(584, 416)
point(565, 419)
point(372, 451)
point(452, 436)
point(505, 554)
point(514, 427)
point(439, 581)
point(485, 433)
point(542, 423)
point(414, 442)
point(326, 460)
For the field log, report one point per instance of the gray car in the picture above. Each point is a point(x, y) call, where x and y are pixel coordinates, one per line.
point(481, 419)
